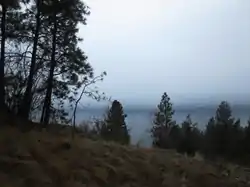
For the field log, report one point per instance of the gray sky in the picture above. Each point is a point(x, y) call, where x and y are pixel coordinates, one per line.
point(196, 50)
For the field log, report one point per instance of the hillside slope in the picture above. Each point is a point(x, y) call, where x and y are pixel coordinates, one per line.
point(38, 159)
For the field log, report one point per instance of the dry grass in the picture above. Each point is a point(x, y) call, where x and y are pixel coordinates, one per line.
point(38, 159)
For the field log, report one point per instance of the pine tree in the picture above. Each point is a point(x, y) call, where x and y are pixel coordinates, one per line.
point(191, 137)
point(163, 123)
point(246, 140)
point(223, 134)
point(116, 128)
point(209, 139)
point(47, 101)
point(27, 99)
point(41, 81)
point(20, 27)
point(64, 16)
point(15, 58)
point(224, 124)
point(5, 5)
point(224, 114)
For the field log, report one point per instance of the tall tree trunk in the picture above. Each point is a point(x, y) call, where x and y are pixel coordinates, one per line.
point(2, 58)
point(27, 100)
point(47, 102)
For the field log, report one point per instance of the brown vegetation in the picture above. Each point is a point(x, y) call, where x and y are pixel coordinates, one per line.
point(51, 159)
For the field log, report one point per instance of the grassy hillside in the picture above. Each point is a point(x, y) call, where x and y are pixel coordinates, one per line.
point(37, 159)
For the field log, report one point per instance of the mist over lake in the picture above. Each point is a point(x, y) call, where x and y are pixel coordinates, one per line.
point(139, 118)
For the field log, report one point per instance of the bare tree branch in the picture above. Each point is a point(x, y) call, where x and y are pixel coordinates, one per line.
point(86, 85)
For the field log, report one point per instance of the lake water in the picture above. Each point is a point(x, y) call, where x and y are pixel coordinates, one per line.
point(139, 119)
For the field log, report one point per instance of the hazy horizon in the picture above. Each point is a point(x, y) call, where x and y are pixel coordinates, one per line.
point(140, 106)
point(140, 118)
point(197, 51)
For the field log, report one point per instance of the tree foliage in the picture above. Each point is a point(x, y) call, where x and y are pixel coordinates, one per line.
point(191, 137)
point(223, 132)
point(114, 127)
point(163, 123)
point(223, 136)
point(44, 67)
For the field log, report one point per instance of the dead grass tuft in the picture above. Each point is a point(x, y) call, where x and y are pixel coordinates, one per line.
point(39, 159)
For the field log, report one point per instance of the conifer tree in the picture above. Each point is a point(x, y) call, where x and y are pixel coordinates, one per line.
point(163, 123)
point(65, 17)
point(27, 99)
point(5, 6)
point(34, 81)
point(191, 137)
point(116, 128)
point(223, 134)
point(247, 138)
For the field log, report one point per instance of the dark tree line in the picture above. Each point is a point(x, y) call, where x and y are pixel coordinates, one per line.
point(223, 136)
point(111, 128)
point(42, 67)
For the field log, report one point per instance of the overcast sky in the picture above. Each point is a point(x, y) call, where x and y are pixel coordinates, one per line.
point(195, 50)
